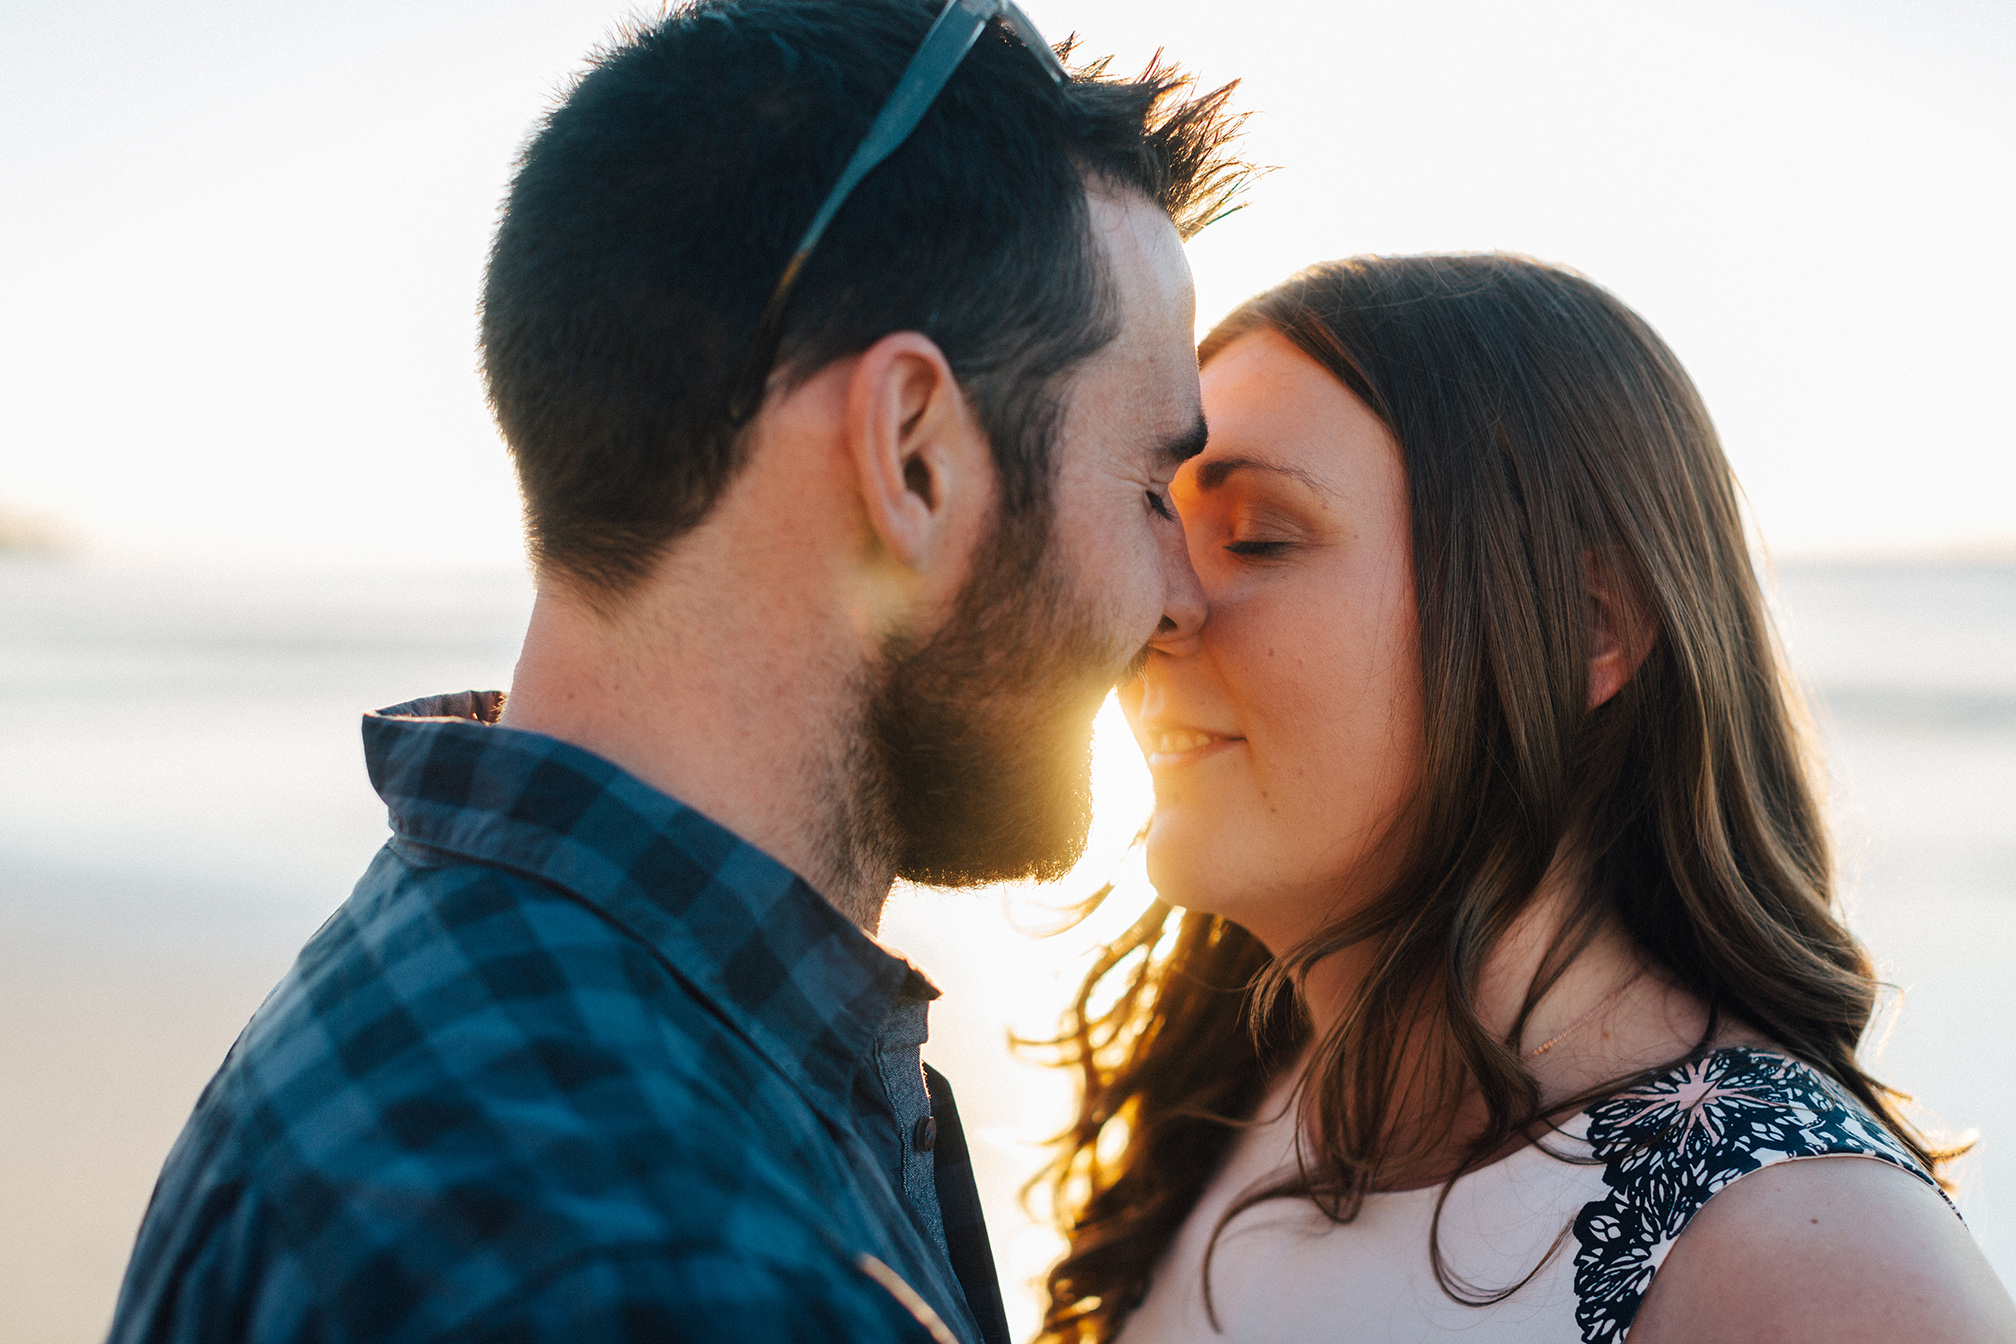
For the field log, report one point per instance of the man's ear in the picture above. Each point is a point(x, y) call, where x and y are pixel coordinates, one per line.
point(1620, 630)
point(922, 461)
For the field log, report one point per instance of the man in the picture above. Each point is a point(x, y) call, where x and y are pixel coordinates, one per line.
point(846, 492)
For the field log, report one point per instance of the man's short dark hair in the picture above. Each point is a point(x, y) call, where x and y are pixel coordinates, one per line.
point(654, 208)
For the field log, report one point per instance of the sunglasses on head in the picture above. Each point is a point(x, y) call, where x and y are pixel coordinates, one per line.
point(952, 35)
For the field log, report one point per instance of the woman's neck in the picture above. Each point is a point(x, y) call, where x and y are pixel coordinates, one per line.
point(1606, 1014)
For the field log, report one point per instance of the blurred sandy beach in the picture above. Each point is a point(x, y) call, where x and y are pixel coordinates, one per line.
point(183, 800)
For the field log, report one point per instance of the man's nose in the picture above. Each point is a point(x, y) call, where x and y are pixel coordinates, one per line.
point(1183, 606)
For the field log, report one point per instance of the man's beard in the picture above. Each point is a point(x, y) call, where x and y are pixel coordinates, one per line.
point(980, 740)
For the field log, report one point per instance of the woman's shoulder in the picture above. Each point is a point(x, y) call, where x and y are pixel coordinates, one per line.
point(1841, 1252)
point(1669, 1145)
point(1684, 1135)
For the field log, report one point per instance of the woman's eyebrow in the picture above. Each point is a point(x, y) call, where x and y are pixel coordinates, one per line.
point(1214, 473)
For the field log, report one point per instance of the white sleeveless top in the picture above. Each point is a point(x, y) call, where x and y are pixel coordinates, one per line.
point(1649, 1159)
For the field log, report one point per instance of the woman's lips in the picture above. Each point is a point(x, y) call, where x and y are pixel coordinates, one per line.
point(1169, 748)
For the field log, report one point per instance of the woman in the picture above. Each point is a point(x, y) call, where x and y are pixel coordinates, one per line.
point(1507, 933)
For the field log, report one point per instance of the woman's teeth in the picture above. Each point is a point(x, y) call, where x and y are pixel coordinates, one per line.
point(1182, 740)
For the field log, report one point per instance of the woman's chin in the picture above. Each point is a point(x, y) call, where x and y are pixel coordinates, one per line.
point(1171, 870)
point(1190, 865)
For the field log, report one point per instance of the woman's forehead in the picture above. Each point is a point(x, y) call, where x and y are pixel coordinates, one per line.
point(1277, 414)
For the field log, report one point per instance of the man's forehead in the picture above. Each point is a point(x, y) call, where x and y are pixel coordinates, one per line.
point(1144, 258)
point(1145, 381)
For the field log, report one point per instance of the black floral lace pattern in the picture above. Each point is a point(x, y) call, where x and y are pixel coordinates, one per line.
point(1667, 1146)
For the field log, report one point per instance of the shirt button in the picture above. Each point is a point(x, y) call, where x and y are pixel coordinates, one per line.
point(925, 1136)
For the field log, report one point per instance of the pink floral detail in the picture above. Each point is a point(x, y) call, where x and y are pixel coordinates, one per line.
point(1690, 1096)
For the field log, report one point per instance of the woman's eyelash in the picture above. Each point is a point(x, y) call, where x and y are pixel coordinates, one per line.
point(1256, 548)
point(1160, 505)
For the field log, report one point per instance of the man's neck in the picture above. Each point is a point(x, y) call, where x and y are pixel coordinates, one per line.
point(757, 734)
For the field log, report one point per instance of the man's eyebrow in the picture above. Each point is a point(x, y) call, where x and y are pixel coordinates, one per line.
point(1213, 474)
point(1180, 448)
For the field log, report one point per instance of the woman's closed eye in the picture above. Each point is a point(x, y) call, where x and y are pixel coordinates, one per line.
point(1259, 529)
point(1256, 549)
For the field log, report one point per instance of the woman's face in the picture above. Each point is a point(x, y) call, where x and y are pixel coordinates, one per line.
point(1286, 739)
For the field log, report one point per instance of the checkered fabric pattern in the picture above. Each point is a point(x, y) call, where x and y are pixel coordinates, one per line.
point(572, 1063)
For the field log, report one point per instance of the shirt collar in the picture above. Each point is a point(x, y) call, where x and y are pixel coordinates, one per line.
point(800, 981)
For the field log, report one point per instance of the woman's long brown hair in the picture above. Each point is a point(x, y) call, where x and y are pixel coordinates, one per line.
point(1550, 439)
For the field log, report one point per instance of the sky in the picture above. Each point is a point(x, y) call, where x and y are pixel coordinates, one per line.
point(241, 242)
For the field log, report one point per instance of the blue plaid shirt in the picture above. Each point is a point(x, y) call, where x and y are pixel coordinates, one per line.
point(572, 1063)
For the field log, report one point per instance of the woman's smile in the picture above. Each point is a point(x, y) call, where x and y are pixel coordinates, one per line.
point(1169, 748)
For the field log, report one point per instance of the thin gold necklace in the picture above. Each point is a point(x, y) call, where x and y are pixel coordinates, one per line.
point(1581, 1021)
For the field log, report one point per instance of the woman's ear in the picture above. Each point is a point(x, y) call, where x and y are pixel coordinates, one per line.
point(922, 462)
point(1620, 630)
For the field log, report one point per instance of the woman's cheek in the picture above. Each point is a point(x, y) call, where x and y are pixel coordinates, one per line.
point(1333, 722)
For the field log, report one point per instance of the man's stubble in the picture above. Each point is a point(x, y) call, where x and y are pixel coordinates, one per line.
point(975, 754)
